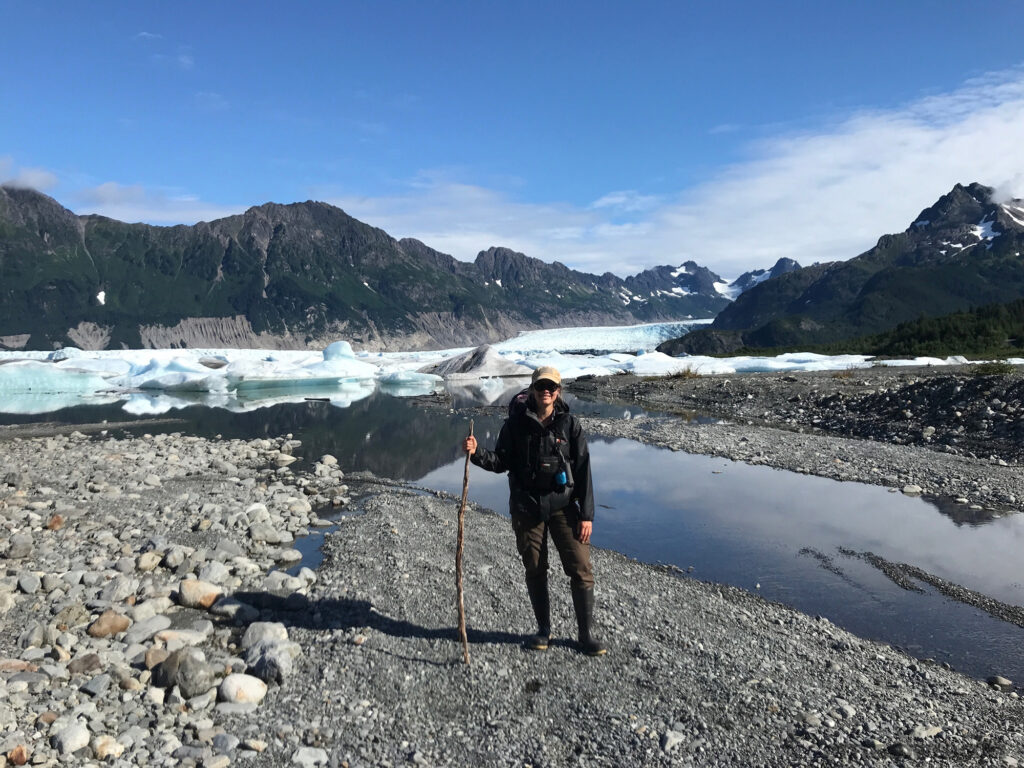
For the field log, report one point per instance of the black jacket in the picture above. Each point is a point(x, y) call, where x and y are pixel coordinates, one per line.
point(522, 439)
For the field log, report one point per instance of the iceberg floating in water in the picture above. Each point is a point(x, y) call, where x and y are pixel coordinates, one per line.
point(157, 380)
point(259, 374)
point(65, 353)
point(338, 350)
point(107, 367)
point(176, 375)
point(29, 404)
point(31, 376)
point(410, 383)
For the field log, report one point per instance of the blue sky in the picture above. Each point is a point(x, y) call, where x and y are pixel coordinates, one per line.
point(608, 136)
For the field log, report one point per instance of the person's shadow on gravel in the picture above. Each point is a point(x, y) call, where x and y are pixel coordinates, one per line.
point(298, 611)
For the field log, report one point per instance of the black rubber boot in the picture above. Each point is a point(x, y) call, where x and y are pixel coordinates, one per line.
point(542, 611)
point(583, 602)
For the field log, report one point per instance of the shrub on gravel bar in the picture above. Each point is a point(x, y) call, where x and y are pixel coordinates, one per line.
point(994, 368)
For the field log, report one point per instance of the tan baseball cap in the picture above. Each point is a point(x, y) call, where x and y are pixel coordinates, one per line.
point(548, 373)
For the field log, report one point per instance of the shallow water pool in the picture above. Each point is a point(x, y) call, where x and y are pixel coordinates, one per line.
point(782, 535)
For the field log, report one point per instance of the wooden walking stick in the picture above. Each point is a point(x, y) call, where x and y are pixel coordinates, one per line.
point(458, 556)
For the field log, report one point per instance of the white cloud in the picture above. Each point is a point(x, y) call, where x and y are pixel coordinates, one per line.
point(628, 200)
point(462, 219)
point(830, 195)
point(815, 195)
point(39, 179)
point(125, 202)
point(147, 36)
point(135, 203)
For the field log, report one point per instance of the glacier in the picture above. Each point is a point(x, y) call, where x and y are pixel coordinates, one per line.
point(154, 381)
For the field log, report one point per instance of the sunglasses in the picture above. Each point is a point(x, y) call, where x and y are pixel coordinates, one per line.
point(545, 386)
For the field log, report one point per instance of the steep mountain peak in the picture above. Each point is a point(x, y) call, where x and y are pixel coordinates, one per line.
point(784, 265)
point(688, 279)
point(27, 199)
point(41, 214)
point(308, 211)
point(967, 216)
point(746, 281)
point(513, 268)
point(500, 254)
point(960, 206)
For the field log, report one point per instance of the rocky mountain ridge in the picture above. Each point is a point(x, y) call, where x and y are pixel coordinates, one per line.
point(962, 252)
point(295, 275)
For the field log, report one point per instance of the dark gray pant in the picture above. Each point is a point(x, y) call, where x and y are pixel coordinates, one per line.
point(532, 542)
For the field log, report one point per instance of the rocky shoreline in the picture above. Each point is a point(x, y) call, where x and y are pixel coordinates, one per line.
point(148, 619)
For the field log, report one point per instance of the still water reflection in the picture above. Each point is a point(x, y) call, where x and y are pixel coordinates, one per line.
point(761, 529)
point(732, 523)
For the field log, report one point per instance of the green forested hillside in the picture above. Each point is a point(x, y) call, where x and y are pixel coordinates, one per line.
point(989, 332)
point(299, 274)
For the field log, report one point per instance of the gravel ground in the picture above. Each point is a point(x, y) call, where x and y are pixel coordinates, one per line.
point(146, 621)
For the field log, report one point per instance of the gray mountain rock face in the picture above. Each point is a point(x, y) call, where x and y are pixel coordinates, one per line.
point(294, 276)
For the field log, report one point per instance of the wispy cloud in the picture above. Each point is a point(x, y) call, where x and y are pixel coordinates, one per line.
point(148, 36)
point(628, 200)
point(811, 195)
point(134, 202)
point(723, 128)
point(181, 61)
point(39, 179)
point(125, 202)
point(212, 101)
point(462, 219)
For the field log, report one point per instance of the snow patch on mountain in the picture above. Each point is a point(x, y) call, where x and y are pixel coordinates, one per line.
point(730, 289)
point(1014, 211)
point(984, 231)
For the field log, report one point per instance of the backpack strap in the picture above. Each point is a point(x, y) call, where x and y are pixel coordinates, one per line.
point(517, 404)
